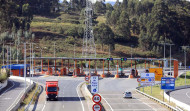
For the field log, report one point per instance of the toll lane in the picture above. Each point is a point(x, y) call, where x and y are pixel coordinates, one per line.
point(69, 97)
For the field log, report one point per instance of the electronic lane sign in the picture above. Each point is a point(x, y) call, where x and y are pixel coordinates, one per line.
point(168, 83)
point(94, 84)
point(147, 79)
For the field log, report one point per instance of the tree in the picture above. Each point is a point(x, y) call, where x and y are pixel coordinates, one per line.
point(125, 4)
point(100, 7)
point(104, 35)
point(124, 25)
point(109, 7)
point(117, 5)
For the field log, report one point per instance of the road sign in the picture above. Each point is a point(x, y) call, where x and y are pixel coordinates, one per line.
point(97, 107)
point(96, 98)
point(86, 78)
point(94, 84)
point(158, 73)
point(138, 79)
point(147, 79)
point(168, 83)
point(86, 64)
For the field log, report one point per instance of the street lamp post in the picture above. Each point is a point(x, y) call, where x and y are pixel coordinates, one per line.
point(185, 51)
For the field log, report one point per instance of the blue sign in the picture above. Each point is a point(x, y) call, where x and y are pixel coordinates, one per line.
point(168, 83)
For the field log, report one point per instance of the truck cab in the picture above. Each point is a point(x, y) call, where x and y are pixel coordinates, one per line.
point(52, 89)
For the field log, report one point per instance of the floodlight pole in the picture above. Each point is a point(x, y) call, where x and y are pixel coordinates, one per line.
point(25, 65)
point(185, 53)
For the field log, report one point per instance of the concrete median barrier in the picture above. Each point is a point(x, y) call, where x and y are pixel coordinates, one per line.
point(177, 102)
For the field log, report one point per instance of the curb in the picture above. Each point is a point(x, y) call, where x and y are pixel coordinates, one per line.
point(22, 95)
point(177, 102)
point(157, 100)
point(3, 85)
point(91, 95)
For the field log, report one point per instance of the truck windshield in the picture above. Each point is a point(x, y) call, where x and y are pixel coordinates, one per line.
point(52, 89)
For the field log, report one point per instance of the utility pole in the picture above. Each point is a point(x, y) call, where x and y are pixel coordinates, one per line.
point(10, 57)
point(30, 61)
point(185, 48)
point(25, 65)
point(169, 44)
point(170, 58)
point(3, 54)
point(89, 48)
point(7, 56)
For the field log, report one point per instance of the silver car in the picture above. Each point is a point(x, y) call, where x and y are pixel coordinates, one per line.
point(127, 94)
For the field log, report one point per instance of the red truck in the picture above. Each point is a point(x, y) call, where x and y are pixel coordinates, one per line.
point(51, 89)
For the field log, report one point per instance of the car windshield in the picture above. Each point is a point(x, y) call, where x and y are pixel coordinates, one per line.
point(52, 89)
point(128, 93)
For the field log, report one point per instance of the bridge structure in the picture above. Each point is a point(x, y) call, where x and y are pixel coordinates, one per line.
point(66, 63)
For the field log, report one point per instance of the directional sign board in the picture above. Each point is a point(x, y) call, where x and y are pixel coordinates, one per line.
point(97, 107)
point(94, 84)
point(147, 79)
point(158, 73)
point(96, 98)
point(168, 83)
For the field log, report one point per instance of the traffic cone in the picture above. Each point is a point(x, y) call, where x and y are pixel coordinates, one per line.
point(103, 75)
point(116, 76)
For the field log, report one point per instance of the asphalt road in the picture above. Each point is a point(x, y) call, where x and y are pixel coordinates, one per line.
point(10, 93)
point(69, 97)
point(182, 95)
point(111, 91)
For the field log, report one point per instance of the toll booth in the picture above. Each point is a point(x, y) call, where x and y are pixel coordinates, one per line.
point(17, 69)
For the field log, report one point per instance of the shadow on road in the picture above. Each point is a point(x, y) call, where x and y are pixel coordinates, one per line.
point(70, 98)
point(10, 84)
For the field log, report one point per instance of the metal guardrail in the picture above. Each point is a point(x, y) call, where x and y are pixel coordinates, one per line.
point(26, 109)
point(157, 100)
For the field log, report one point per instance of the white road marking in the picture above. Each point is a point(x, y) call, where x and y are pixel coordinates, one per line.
point(80, 97)
point(132, 103)
point(63, 106)
point(44, 106)
point(8, 88)
point(107, 102)
point(16, 99)
point(7, 98)
point(147, 105)
point(135, 109)
point(187, 94)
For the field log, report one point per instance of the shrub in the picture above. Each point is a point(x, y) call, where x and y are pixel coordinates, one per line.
point(4, 74)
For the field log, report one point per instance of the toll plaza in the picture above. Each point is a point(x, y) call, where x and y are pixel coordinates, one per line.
point(88, 66)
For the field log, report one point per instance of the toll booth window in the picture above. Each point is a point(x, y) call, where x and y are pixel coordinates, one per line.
point(52, 89)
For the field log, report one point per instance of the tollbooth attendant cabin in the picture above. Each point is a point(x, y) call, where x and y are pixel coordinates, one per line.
point(18, 69)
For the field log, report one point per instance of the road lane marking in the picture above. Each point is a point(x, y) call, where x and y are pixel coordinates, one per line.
point(13, 84)
point(17, 98)
point(147, 105)
point(132, 103)
point(79, 96)
point(187, 94)
point(107, 102)
point(44, 106)
point(134, 109)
